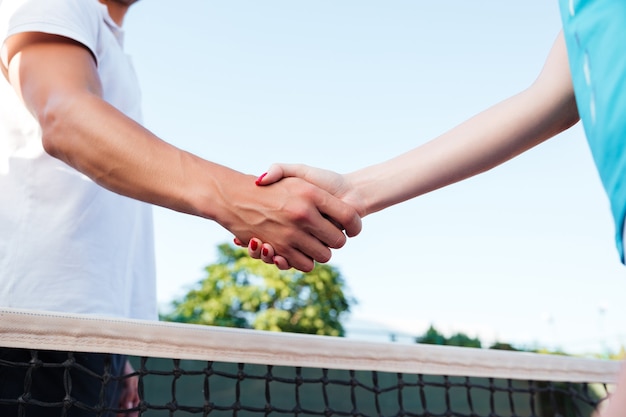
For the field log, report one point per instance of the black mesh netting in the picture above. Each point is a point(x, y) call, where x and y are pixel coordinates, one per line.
point(42, 383)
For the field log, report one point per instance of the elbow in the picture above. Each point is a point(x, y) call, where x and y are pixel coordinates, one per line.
point(570, 115)
point(50, 143)
point(554, 105)
point(574, 115)
point(52, 136)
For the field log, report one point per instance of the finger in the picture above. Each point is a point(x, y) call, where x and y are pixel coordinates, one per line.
point(276, 172)
point(302, 255)
point(328, 232)
point(267, 253)
point(301, 263)
point(254, 248)
point(281, 263)
point(239, 243)
point(341, 213)
point(314, 234)
point(314, 247)
point(269, 257)
point(273, 174)
point(353, 226)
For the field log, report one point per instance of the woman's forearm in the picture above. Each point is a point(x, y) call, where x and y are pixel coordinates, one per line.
point(488, 139)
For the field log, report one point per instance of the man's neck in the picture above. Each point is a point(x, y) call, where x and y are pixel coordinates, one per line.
point(117, 11)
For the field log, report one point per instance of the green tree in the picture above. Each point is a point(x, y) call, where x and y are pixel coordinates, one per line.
point(503, 346)
point(431, 337)
point(434, 337)
point(461, 339)
point(239, 291)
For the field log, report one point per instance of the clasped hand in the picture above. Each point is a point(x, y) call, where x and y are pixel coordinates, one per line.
point(336, 184)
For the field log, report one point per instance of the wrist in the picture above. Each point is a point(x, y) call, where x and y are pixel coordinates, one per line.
point(220, 194)
point(356, 194)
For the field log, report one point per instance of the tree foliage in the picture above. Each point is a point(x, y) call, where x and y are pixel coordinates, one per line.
point(239, 291)
point(434, 337)
point(503, 346)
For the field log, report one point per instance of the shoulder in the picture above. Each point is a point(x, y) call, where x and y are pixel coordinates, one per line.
point(50, 9)
point(75, 19)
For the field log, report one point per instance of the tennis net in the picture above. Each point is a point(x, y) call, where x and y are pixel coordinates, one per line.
point(187, 370)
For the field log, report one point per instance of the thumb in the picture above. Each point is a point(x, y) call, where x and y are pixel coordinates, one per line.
point(276, 172)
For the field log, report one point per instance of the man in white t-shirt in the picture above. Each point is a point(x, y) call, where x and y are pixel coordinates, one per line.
point(77, 170)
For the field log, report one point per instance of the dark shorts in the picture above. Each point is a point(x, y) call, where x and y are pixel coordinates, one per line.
point(44, 383)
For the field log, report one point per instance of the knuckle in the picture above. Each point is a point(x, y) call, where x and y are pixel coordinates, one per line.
point(309, 267)
point(348, 214)
point(323, 256)
point(300, 214)
point(340, 241)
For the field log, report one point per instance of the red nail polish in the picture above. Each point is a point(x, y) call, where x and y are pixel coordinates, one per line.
point(253, 244)
point(258, 181)
point(265, 251)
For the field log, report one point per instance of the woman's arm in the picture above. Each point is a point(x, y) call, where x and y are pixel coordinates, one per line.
point(488, 139)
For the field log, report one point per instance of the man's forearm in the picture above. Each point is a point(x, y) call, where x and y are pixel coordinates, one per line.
point(124, 157)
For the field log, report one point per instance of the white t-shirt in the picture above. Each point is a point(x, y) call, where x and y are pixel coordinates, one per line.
point(67, 244)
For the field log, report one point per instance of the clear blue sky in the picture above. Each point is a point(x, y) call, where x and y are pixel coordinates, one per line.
point(523, 253)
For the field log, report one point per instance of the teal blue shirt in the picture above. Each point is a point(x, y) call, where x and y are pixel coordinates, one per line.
point(595, 34)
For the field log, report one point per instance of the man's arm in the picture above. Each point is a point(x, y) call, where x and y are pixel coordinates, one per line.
point(58, 81)
point(617, 400)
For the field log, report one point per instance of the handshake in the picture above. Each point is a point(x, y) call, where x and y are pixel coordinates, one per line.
point(340, 212)
point(317, 205)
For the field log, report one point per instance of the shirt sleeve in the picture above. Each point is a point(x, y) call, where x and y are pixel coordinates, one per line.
point(74, 19)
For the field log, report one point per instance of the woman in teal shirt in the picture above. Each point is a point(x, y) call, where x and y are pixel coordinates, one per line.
point(584, 78)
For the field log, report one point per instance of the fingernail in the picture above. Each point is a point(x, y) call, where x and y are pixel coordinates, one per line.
point(275, 261)
point(253, 244)
point(237, 241)
point(258, 180)
point(265, 251)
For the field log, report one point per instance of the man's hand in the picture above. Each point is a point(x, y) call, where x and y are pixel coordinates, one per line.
point(615, 406)
point(300, 220)
point(336, 184)
point(129, 397)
